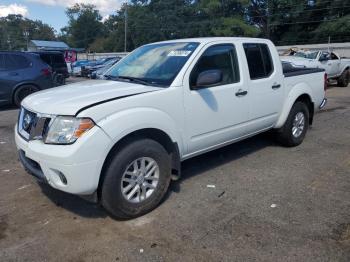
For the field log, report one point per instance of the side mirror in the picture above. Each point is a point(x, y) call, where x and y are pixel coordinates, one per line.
point(208, 78)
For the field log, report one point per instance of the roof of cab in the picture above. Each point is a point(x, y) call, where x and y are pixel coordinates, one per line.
point(205, 40)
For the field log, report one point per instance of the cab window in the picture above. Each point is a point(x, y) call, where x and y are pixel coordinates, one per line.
point(259, 60)
point(221, 57)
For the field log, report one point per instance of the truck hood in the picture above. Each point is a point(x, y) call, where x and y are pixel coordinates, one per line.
point(300, 61)
point(69, 99)
point(296, 59)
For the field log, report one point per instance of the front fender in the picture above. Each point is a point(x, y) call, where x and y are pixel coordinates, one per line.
point(125, 122)
point(297, 91)
point(344, 67)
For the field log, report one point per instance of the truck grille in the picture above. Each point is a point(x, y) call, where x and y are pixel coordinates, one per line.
point(32, 126)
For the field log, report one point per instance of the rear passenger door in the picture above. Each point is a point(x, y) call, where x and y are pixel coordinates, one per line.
point(11, 73)
point(12, 69)
point(4, 83)
point(265, 86)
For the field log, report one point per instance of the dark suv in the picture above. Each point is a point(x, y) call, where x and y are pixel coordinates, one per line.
point(22, 74)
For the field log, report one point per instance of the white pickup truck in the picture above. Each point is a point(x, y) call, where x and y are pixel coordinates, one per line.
point(337, 68)
point(122, 140)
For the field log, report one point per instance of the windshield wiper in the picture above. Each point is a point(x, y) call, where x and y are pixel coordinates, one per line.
point(110, 77)
point(132, 79)
point(135, 80)
point(128, 78)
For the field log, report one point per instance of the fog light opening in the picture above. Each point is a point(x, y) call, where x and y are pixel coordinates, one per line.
point(62, 177)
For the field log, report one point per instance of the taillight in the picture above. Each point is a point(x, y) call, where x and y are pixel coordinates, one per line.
point(325, 81)
point(46, 71)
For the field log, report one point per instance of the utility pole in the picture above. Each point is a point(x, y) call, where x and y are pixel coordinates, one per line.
point(9, 42)
point(26, 35)
point(267, 20)
point(125, 24)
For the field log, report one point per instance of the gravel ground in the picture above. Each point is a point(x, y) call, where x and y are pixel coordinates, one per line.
point(269, 203)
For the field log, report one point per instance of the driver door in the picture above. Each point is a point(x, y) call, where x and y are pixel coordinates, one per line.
point(331, 64)
point(215, 114)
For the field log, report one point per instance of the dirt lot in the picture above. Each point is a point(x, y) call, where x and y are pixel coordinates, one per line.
point(269, 204)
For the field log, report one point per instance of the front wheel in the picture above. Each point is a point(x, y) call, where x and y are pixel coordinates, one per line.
point(136, 179)
point(344, 78)
point(294, 130)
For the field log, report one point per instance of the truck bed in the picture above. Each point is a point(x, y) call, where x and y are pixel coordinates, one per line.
point(290, 71)
point(312, 77)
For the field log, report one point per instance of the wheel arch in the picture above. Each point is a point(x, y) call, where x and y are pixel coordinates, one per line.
point(344, 77)
point(151, 133)
point(347, 67)
point(305, 98)
point(301, 95)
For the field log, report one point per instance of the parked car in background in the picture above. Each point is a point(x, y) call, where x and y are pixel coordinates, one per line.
point(87, 69)
point(101, 70)
point(122, 140)
point(337, 68)
point(22, 74)
point(57, 63)
point(76, 67)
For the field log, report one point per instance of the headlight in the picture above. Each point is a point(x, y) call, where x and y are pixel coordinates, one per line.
point(66, 129)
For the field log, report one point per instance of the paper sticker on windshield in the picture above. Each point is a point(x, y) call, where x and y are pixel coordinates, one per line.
point(179, 53)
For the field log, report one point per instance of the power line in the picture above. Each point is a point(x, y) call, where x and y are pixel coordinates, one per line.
point(309, 22)
point(319, 2)
point(153, 28)
point(125, 24)
point(301, 11)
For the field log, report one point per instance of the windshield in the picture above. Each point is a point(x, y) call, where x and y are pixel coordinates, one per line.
point(110, 62)
point(155, 64)
point(308, 55)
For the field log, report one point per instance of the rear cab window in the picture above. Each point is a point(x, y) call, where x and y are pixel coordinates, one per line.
point(259, 60)
point(221, 57)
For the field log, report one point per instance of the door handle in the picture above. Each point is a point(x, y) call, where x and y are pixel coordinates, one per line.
point(276, 86)
point(13, 74)
point(241, 93)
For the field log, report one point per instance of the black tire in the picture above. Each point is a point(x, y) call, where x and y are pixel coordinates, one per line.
point(344, 78)
point(59, 80)
point(112, 198)
point(22, 92)
point(285, 134)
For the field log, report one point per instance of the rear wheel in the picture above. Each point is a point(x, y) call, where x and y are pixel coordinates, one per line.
point(59, 79)
point(294, 130)
point(22, 92)
point(344, 78)
point(136, 179)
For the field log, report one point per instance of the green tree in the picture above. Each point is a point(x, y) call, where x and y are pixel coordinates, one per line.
point(336, 31)
point(307, 21)
point(156, 20)
point(84, 25)
point(16, 31)
point(257, 14)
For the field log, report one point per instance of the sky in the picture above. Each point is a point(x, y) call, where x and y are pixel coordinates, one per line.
point(52, 12)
